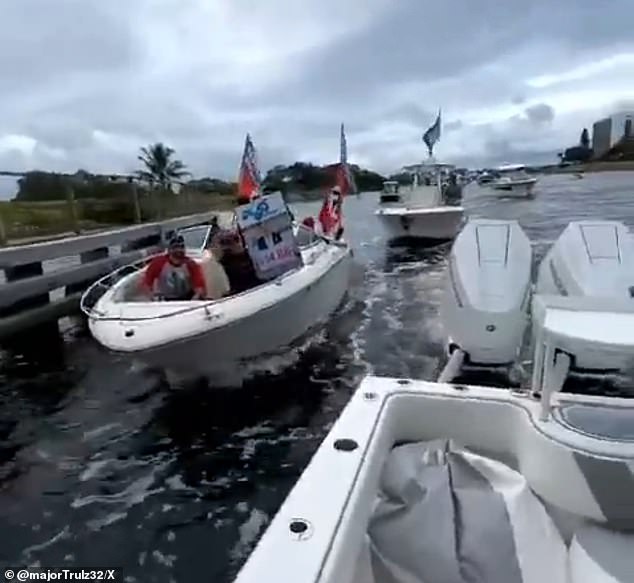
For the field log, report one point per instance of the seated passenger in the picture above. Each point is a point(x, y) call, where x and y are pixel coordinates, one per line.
point(216, 281)
point(174, 275)
point(309, 223)
point(236, 262)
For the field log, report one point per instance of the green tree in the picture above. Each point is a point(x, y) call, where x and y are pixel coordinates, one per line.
point(584, 141)
point(160, 167)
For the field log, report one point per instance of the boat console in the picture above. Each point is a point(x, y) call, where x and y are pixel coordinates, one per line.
point(390, 193)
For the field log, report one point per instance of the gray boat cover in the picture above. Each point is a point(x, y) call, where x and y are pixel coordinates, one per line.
point(447, 515)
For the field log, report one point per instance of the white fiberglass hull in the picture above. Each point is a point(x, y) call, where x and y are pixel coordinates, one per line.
point(487, 291)
point(439, 223)
point(519, 188)
point(258, 322)
point(549, 513)
point(586, 279)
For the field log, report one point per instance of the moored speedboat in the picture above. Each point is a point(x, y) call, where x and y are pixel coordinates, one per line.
point(513, 181)
point(487, 292)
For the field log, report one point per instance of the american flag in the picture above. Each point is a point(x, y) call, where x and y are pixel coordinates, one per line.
point(432, 135)
point(250, 179)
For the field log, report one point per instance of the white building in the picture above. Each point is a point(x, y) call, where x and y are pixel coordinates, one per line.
point(608, 131)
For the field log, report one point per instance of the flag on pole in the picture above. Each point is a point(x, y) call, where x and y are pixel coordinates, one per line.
point(331, 213)
point(432, 135)
point(344, 178)
point(249, 178)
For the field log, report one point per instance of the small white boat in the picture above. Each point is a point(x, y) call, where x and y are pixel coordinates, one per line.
point(200, 336)
point(485, 178)
point(583, 309)
point(513, 181)
point(418, 211)
point(487, 292)
point(419, 481)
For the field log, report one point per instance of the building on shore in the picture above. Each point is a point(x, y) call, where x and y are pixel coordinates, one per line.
point(607, 132)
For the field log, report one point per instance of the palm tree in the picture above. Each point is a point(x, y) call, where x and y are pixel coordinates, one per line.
point(159, 167)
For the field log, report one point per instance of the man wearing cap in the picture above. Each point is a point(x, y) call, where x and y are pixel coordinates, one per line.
point(174, 276)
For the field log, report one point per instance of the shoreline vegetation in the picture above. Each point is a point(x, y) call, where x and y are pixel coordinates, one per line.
point(48, 204)
point(589, 167)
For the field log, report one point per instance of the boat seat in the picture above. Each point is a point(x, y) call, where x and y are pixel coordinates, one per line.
point(599, 421)
point(216, 280)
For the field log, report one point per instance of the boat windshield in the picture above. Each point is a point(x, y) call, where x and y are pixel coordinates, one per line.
point(390, 187)
point(195, 237)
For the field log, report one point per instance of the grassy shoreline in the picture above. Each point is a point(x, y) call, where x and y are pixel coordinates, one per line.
point(23, 222)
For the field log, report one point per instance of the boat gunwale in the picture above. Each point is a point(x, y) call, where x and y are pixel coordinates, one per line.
point(376, 419)
point(203, 305)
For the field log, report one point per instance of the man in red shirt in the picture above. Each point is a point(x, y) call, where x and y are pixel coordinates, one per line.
point(174, 276)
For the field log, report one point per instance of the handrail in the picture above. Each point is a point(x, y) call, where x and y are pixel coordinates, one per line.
point(137, 265)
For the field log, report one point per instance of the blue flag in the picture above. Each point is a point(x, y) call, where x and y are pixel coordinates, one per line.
point(432, 135)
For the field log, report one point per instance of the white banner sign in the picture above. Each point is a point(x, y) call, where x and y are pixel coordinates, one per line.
point(268, 233)
point(261, 210)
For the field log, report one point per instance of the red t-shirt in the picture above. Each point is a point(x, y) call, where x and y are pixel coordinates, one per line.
point(161, 269)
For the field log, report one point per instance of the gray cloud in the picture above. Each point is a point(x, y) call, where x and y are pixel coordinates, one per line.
point(86, 83)
point(540, 113)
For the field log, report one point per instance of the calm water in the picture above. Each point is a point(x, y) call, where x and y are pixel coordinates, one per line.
point(104, 465)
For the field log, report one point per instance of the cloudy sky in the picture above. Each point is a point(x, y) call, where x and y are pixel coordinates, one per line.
point(84, 83)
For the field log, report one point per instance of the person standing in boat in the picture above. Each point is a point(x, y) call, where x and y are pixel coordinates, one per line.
point(330, 215)
point(174, 275)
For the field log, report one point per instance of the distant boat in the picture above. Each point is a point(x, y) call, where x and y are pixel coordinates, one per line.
point(514, 181)
point(419, 211)
point(423, 210)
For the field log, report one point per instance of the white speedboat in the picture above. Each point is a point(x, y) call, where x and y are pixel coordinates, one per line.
point(583, 310)
point(419, 481)
point(487, 292)
point(419, 211)
point(201, 335)
point(513, 181)
point(485, 178)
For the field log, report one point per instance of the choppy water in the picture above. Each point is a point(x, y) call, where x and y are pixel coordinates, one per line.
point(105, 465)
